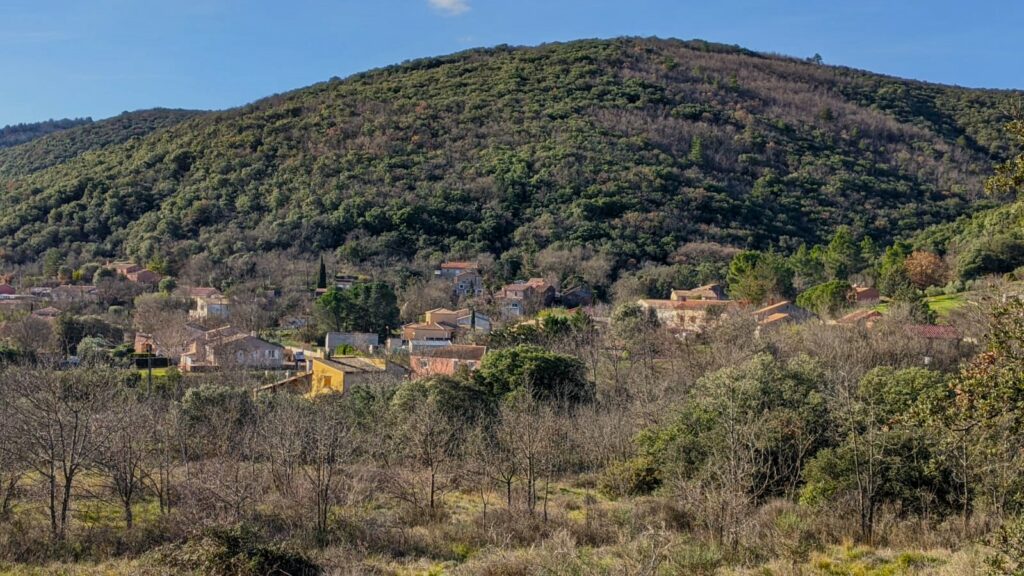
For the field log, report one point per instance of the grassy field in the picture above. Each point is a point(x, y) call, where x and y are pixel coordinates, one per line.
point(157, 372)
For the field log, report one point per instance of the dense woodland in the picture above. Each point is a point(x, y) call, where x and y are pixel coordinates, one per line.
point(16, 134)
point(631, 147)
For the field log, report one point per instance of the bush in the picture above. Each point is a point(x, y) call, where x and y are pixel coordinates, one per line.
point(235, 552)
point(631, 478)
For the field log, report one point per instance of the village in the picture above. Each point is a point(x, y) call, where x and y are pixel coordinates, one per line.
point(130, 315)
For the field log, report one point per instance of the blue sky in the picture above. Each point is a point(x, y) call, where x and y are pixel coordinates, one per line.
point(71, 58)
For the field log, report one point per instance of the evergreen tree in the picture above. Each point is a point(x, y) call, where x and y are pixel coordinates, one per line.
point(696, 151)
point(842, 257)
point(321, 281)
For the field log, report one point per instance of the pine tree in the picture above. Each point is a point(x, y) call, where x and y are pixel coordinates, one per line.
point(696, 151)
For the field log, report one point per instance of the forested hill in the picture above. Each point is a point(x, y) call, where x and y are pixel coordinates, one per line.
point(632, 146)
point(83, 136)
point(16, 134)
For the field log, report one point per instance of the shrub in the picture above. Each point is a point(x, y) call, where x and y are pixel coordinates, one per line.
point(631, 478)
point(235, 551)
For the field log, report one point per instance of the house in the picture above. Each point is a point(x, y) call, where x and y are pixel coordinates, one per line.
point(934, 332)
point(228, 348)
point(865, 316)
point(446, 361)
point(525, 297)
point(576, 297)
point(462, 320)
point(70, 293)
point(464, 276)
point(144, 344)
point(144, 277)
point(864, 296)
point(706, 292)
point(941, 336)
point(7, 290)
point(335, 376)
point(693, 316)
point(214, 306)
point(427, 334)
point(203, 292)
point(346, 281)
point(47, 313)
point(468, 284)
point(363, 341)
point(124, 267)
point(780, 312)
point(134, 273)
point(473, 321)
point(450, 270)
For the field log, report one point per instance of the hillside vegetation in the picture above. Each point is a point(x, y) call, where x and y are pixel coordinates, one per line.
point(631, 146)
point(16, 134)
point(82, 137)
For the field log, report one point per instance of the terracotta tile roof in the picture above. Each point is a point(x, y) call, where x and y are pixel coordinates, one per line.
point(460, 265)
point(684, 304)
point(427, 326)
point(777, 317)
point(203, 292)
point(859, 315)
point(773, 307)
point(48, 312)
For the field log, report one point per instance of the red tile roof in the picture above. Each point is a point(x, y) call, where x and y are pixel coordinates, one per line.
point(460, 266)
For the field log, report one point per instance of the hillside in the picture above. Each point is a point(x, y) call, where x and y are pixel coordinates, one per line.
point(632, 146)
point(71, 141)
point(16, 134)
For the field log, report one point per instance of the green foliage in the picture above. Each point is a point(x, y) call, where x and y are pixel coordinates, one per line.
point(459, 399)
point(775, 406)
point(237, 551)
point(1009, 176)
point(828, 299)
point(167, 285)
point(886, 455)
point(548, 375)
point(1007, 543)
point(70, 330)
point(21, 133)
point(760, 276)
point(842, 256)
point(365, 307)
point(321, 279)
point(590, 143)
point(633, 477)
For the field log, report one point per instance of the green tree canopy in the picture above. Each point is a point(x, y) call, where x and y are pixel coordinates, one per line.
point(365, 307)
point(549, 375)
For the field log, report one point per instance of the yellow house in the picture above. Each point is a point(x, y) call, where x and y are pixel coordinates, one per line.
point(334, 376)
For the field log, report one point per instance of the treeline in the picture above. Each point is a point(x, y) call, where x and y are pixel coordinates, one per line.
point(15, 134)
point(990, 242)
point(632, 147)
point(87, 136)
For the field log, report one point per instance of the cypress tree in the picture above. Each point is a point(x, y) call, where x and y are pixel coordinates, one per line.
point(321, 281)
